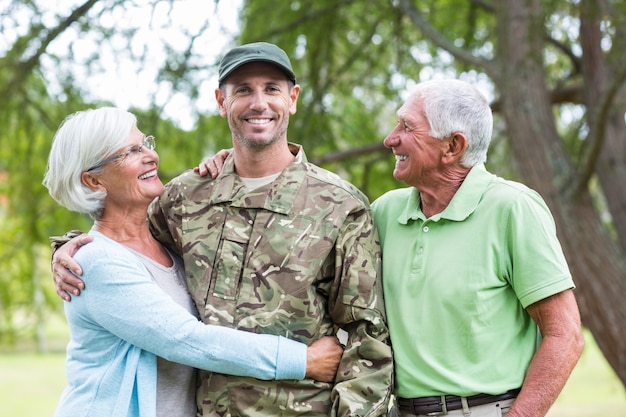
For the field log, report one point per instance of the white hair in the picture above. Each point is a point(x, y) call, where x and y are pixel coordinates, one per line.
point(83, 139)
point(456, 106)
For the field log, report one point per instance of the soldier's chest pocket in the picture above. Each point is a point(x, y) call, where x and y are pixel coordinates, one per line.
point(291, 252)
point(300, 237)
point(229, 264)
point(277, 255)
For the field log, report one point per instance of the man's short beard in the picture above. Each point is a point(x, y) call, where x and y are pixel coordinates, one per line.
point(257, 145)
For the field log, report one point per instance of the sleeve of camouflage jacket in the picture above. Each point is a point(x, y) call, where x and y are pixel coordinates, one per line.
point(365, 377)
point(165, 217)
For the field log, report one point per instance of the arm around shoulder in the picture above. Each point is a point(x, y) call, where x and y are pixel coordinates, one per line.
point(65, 271)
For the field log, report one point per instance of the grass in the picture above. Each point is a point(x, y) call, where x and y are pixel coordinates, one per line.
point(31, 383)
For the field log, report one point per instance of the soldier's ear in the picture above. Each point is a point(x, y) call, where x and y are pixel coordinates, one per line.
point(220, 97)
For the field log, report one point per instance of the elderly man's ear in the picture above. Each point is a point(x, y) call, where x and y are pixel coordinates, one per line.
point(457, 144)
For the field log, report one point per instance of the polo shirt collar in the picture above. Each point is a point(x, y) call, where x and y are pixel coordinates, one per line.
point(461, 206)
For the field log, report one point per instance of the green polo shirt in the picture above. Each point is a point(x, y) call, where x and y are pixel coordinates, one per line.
point(456, 285)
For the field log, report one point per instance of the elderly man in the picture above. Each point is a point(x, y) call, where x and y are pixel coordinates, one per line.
point(483, 319)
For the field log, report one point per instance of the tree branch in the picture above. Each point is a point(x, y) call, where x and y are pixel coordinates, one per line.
point(417, 18)
point(307, 17)
point(567, 51)
point(28, 65)
point(604, 113)
point(572, 94)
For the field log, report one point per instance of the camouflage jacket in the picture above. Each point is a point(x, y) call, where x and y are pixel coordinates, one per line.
point(300, 258)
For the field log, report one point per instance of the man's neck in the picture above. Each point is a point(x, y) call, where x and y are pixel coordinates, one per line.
point(257, 163)
point(436, 194)
point(434, 201)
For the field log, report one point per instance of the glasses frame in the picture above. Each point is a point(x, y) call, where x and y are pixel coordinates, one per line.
point(149, 142)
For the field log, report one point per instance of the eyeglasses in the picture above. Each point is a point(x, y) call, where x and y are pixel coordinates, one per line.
point(149, 142)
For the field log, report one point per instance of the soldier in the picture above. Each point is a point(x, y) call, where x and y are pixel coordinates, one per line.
point(277, 245)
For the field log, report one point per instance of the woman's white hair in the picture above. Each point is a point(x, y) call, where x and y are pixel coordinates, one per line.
point(84, 139)
point(456, 106)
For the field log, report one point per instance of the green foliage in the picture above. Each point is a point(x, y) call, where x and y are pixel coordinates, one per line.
point(28, 214)
point(29, 117)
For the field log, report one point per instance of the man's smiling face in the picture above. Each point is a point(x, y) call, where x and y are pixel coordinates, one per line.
point(257, 99)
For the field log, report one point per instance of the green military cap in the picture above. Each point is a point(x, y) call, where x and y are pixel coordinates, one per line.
point(254, 52)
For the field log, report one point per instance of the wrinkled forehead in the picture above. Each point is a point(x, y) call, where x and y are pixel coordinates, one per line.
point(412, 108)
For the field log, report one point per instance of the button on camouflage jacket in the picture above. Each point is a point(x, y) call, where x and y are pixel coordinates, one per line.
point(300, 258)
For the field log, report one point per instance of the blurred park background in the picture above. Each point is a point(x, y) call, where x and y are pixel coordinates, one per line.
point(554, 70)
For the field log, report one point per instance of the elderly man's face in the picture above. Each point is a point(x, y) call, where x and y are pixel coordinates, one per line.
point(418, 155)
point(257, 100)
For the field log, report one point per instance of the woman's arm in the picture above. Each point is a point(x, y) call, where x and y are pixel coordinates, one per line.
point(121, 297)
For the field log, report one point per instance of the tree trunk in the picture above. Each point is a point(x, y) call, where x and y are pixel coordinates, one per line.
point(603, 86)
point(546, 167)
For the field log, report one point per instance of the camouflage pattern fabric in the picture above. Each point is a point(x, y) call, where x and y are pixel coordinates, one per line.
point(300, 258)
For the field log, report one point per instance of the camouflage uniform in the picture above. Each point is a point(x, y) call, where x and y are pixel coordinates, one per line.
point(298, 257)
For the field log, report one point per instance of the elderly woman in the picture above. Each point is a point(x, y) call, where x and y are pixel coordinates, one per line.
point(136, 308)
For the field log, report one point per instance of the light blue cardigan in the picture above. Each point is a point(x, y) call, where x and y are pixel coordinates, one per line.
point(123, 319)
